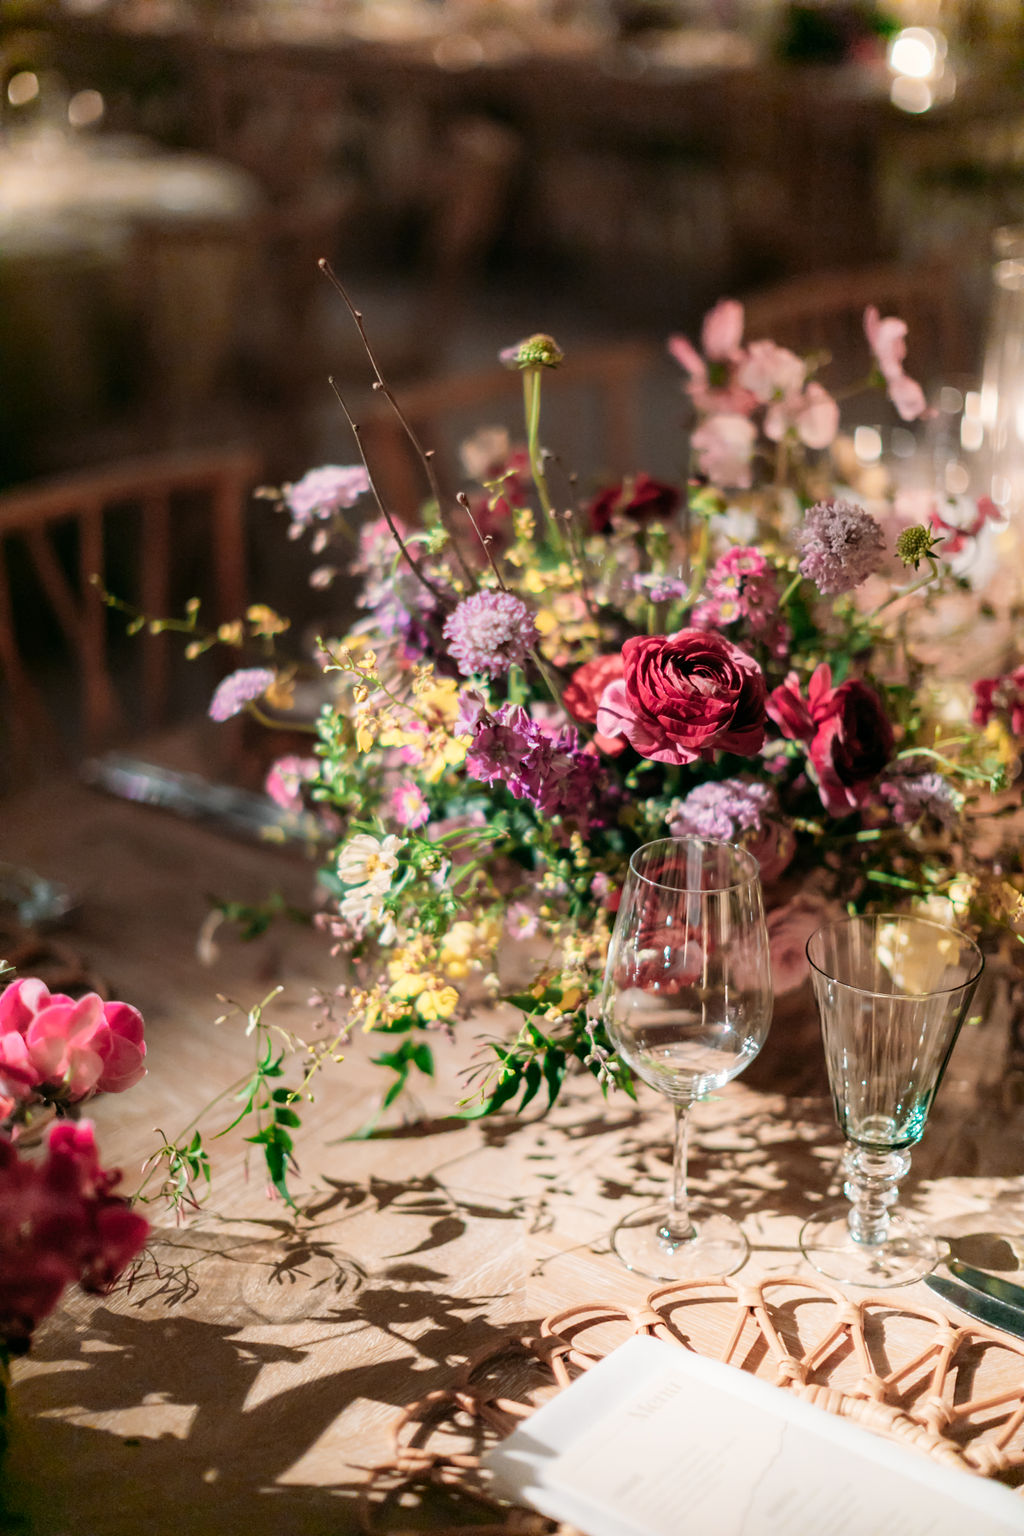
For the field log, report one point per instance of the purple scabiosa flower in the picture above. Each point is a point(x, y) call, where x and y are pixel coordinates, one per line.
point(323, 492)
point(239, 689)
point(658, 588)
point(490, 632)
point(552, 772)
point(737, 811)
point(911, 796)
point(842, 545)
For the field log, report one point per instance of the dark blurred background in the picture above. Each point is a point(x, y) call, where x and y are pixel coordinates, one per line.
point(170, 171)
point(476, 170)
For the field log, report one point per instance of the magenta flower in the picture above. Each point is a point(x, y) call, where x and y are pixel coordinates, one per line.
point(846, 732)
point(323, 492)
point(59, 1223)
point(842, 545)
point(286, 777)
point(490, 632)
point(888, 341)
point(409, 805)
point(237, 690)
point(52, 1047)
point(553, 773)
point(741, 587)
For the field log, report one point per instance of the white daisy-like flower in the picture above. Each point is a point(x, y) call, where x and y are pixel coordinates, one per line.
point(369, 861)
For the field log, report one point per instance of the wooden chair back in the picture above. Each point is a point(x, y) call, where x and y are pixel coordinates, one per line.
point(592, 414)
point(824, 312)
point(124, 527)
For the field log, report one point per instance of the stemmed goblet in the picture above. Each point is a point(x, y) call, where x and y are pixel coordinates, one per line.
point(687, 1002)
point(892, 992)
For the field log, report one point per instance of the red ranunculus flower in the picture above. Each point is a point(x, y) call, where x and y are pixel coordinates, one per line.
point(685, 696)
point(848, 735)
point(640, 497)
point(583, 694)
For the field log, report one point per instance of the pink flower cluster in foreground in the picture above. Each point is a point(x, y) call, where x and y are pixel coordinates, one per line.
point(59, 1224)
point(56, 1048)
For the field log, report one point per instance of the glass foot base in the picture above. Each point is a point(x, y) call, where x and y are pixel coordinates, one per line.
point(718, 1247)
point(909, 1253)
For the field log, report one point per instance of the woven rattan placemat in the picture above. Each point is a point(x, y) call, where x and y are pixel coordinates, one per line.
point(897, 1368)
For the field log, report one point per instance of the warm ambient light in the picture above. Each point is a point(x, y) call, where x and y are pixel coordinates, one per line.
point(85, 108)
point(917, 60)
point(22, 88)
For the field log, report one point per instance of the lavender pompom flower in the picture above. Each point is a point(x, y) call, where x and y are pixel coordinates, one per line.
point(842, 545)
point(911, 796)
point(742, 811)
point(239, 689)
point(490, 632)
point(323, 492)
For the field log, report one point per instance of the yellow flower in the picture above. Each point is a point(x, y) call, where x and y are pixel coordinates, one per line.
point(433, 997)
point(231, 634)
point(265, 621)
point(281, 693)
point(468, 946)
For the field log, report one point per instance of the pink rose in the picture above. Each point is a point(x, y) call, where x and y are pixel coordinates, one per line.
point(582, 695)
point(847, 733)
point(685, 696)
point(724, 445)
point(52, 1046)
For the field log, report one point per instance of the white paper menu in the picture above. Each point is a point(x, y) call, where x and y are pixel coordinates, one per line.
point(655, 1441)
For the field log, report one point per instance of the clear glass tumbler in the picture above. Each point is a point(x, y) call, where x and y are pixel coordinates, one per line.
point(687, 1002)
point(892, 992)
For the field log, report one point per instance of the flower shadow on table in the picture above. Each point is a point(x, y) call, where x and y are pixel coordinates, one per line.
point(220, 1469)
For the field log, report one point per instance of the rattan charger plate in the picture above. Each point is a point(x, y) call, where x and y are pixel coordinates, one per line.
point(899, 1369)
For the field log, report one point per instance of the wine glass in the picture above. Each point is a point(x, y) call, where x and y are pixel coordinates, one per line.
point(687, 1001)
point(892, 991)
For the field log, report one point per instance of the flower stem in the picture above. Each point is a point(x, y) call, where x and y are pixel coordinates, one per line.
point(793, 585)
point(531, 403)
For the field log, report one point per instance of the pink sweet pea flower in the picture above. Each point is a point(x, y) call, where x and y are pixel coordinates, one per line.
point(725, 447)
point(887, 340)
point(813, 414)
point(771, 372)
point(722, 332)
point(54, 1047)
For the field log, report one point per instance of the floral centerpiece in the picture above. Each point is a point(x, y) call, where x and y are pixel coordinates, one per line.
point(538, 682)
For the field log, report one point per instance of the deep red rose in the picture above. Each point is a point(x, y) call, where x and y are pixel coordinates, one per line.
point(685, 696)
point(640, 497)
point(583, 693)
point(848, 734)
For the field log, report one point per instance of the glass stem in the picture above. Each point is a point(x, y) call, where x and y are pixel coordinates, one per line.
point(872, 1188)
point(678, 1227)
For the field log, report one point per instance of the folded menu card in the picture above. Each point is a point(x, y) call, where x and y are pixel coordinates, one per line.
point(655, 1441)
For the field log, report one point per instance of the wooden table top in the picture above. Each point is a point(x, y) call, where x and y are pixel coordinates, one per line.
point(248, 1376)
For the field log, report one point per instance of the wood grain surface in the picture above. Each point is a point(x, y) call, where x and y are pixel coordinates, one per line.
point(246, 1380)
